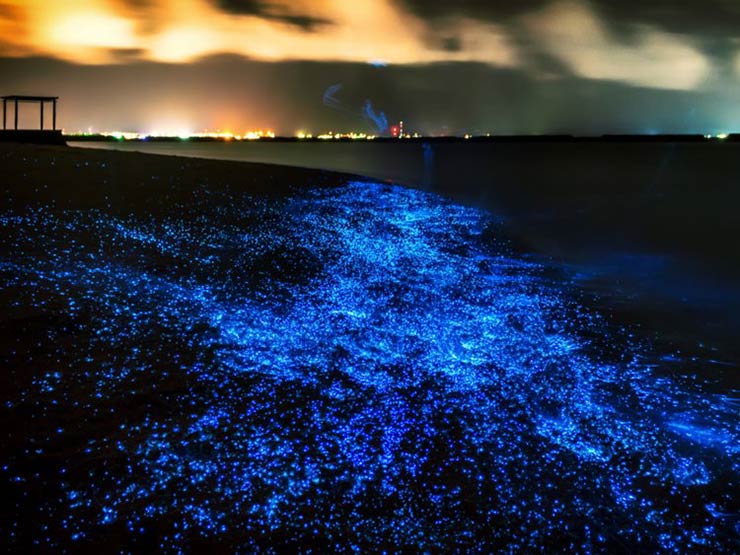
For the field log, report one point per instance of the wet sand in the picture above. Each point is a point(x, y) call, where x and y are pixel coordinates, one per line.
point(73, 178)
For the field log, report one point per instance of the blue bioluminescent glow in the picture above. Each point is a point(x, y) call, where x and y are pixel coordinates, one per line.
point(330, 99)
point(352, 369)
point(378, 119)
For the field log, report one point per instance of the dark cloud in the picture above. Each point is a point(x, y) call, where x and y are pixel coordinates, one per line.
point(287, 96)
point(494, 10)
point(125, 55)
point(138, 4)
point(9, 12)
point(12, 14)
point(712, 25)
point(704, 18)
point(269, 10)
point(451, 44)
point(144, 13)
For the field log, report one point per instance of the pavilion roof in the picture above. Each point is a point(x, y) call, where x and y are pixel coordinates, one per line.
point(30, 98)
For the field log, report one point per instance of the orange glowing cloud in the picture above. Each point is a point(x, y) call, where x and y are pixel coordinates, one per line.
point(178, 31)
point(654, 58)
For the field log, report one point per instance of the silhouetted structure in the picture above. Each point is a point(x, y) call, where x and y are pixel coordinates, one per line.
point(35, 136)
point(16, 100)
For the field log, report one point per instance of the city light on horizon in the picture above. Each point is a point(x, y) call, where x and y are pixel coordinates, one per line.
point(261, 134)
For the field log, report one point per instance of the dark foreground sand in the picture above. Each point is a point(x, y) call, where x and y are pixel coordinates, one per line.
point(224, 357)
point(72, 178)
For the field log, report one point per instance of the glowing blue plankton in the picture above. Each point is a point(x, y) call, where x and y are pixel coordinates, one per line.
point(354, 369)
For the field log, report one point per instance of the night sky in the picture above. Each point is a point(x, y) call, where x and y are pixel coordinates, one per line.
point(477, 66)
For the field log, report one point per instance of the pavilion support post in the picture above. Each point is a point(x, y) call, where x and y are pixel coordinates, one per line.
point(5, 112)
point(16, 115)
point(41, 113)
point(54, 115)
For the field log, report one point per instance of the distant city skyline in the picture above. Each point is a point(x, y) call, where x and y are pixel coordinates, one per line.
point(540, 66)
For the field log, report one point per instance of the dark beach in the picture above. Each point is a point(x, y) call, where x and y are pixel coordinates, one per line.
point(203, 354)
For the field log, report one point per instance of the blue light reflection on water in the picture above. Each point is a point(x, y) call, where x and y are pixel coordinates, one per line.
point(368, 366)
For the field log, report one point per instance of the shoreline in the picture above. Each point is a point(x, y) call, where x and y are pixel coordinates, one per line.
point(45, 173)
point(562, 198)
point(583, 203)
point(673, 295)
